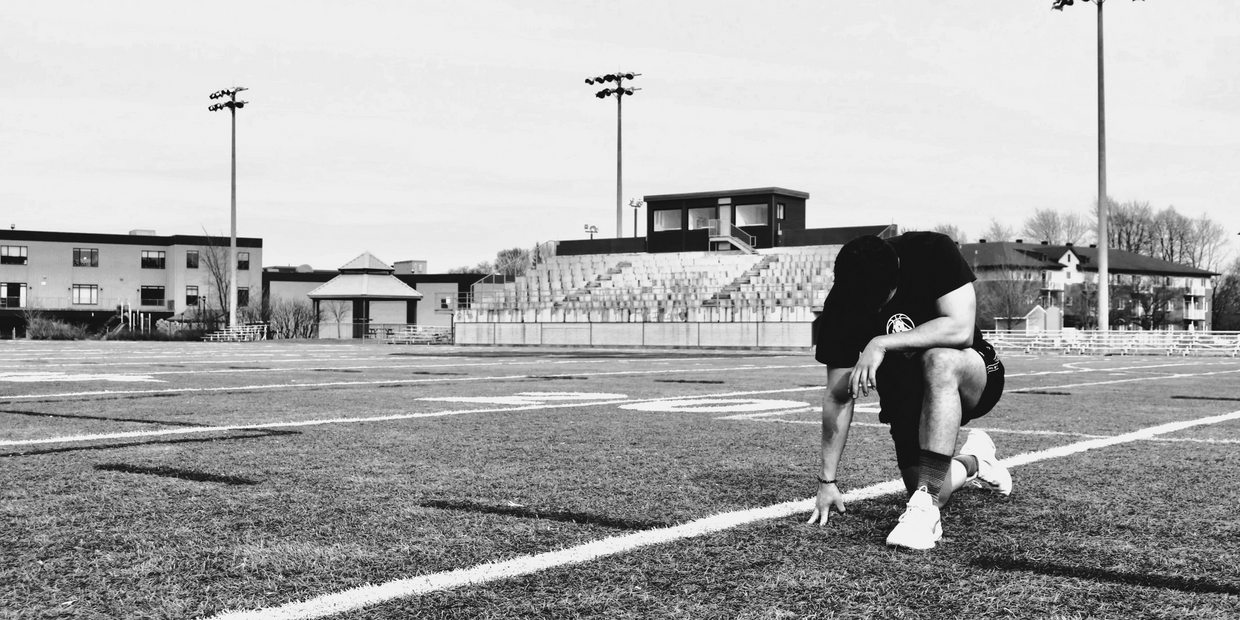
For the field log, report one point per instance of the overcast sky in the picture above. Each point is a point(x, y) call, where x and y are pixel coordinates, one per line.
point(446, 131)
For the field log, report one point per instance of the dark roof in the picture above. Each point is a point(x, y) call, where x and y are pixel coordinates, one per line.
point(147, 240)
point(728, 193)
point(835, 236)
point(993, 255)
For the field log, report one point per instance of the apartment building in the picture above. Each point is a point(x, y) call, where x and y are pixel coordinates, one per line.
point(85, 277)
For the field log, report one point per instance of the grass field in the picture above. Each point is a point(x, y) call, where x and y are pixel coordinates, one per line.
point(307, 480)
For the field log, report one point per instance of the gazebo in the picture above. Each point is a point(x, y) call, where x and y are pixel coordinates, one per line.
point(365, 295)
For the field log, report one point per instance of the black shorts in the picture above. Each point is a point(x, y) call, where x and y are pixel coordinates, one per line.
point(905, 414)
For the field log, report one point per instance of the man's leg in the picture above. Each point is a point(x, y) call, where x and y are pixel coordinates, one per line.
point(954, 381)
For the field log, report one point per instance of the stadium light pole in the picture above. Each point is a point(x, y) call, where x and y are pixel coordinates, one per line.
point(1104, 288)
point(637, 205)
point(232, 105)
point(619, 91)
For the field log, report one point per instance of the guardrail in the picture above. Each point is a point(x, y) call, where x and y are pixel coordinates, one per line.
point(1118, 342)
point(407, 333)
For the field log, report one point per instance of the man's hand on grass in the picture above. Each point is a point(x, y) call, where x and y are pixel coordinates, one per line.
point(829, 497)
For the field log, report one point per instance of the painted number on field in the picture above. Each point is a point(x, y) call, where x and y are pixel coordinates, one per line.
point(745, 406)
point(529, 398)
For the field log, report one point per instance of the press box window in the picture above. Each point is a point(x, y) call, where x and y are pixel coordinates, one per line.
point(243, 261)
point(12, 255)
point(752, 215)
point(191, 295)
point(666, 220)
point(85, 257)
point(85, 294)
point(701, 217)
point(152, 259)
point(191, 259)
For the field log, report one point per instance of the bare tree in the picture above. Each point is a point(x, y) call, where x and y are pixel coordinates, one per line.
point(337, 310)
point(1055, 227)
point(1208, 243)
point(953, 231)
point(214, 258)
point(485, 266)
point(513, 261)
point(1225, 304)
point(997, 232)
point(1006, 296)
point(1130, 226)
point(293, 318)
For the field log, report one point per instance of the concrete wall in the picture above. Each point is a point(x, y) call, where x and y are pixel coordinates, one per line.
point(780, 335)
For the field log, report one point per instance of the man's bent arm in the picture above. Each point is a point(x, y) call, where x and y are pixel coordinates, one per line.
point(953, 329)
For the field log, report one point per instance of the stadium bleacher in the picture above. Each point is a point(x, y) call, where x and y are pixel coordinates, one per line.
point(782, 284)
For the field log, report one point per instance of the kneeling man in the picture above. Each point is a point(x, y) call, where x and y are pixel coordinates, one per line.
point(900, 319)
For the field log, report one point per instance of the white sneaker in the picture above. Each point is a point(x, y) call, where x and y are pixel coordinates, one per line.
point(991, 475)
point(919, 526)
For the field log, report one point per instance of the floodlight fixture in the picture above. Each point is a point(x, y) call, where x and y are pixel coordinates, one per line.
point(619, 91)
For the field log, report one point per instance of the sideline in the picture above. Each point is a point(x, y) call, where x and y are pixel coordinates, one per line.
point(365, 596)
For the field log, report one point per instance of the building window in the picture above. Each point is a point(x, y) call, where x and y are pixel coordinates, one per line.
point(668, 219)
point(445, 303)
point(85, 257)
point(191, 259)
point(153, 295)
point(12, 295)
point(191, 296)
point(152, 259)
point(698, 218)
point(243, 296)
point(85, 294)
point(779, 210)
point(12, 255)
point(752, 215)
point(243, 261)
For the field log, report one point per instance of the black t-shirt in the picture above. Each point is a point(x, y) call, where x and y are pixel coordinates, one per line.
point(930, 266)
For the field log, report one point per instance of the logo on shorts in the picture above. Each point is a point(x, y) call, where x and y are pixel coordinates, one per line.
point(899, 323)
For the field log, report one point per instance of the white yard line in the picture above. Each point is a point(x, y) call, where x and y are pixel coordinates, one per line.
point(386, 418)
point(366, 596)
point(270, 386)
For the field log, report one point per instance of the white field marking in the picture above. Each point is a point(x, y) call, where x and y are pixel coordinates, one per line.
point(1114, 381)
point(1192, 440)
point(365, 596)
point(58, 377)
point(354, 420)
point(1073, 370)
point(269, 386)
point(526, 398)
point(722, 405)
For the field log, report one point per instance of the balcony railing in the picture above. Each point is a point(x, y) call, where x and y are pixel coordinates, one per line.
point(1197, 291)
point(1192, 314)
point(1052, 285)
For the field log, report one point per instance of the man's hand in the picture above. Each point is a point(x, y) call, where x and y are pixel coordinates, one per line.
point(828, 496)
point(865, 373)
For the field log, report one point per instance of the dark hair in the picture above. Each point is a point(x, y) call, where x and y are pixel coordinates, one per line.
point(866, 271)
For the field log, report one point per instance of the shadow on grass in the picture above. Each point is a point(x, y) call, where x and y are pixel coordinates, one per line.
point(172, 472)
point(556, 378)
point(71, 416)
point(1185, 584)
point(686, 381)
point(528, 512)
point(258, 434)
point(1042, 393)
point(1226, 398)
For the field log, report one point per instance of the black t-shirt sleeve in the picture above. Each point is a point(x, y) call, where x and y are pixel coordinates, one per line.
point(836, 336)
point(947, 270)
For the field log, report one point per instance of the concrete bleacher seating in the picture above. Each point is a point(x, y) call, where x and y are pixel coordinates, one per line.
point(773, 285)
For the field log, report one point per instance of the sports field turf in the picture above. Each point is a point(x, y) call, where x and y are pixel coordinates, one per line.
point(306, 480)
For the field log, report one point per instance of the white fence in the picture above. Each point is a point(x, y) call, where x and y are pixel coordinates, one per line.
point(1118, 342)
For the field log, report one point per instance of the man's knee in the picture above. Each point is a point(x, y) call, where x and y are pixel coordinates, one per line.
point(941, 366)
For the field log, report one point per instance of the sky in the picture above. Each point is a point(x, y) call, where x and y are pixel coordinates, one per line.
point(446, 131)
